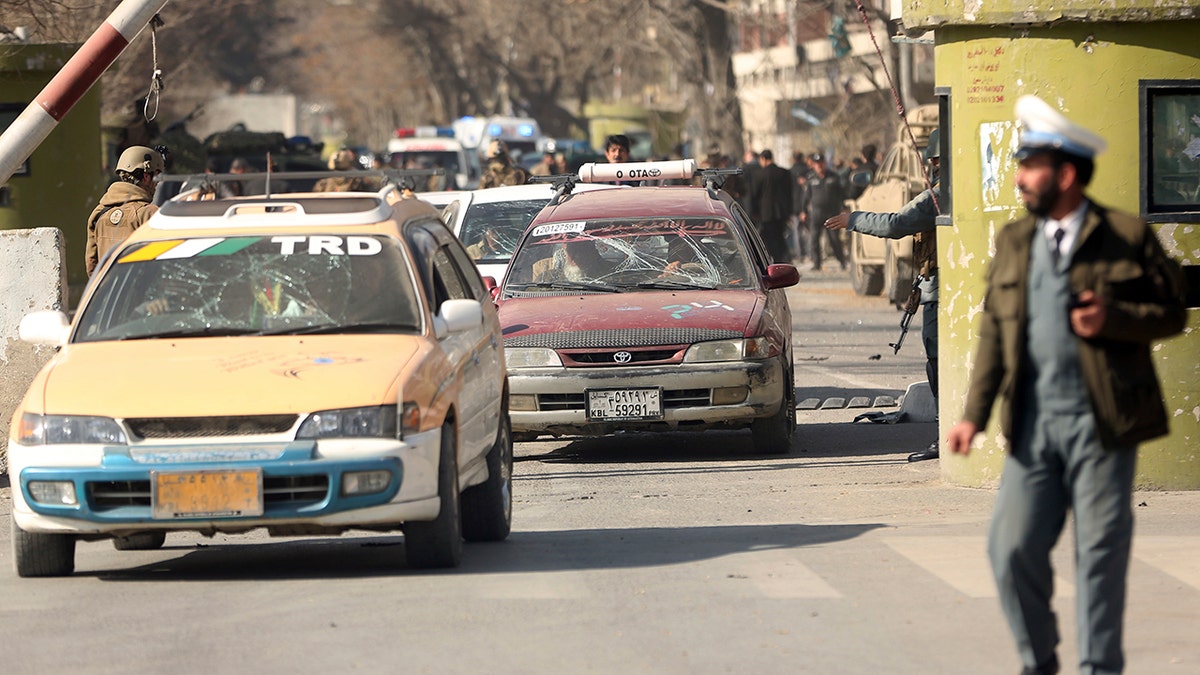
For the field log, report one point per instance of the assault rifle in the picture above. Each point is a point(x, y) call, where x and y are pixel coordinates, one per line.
point(910, 310)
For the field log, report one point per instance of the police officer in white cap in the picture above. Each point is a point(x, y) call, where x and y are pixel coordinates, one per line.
point(1076, 294)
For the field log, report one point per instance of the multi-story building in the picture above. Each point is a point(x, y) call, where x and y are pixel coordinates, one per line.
point(813, 78)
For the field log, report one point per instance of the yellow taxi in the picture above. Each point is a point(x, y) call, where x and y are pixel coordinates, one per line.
point(304, 363)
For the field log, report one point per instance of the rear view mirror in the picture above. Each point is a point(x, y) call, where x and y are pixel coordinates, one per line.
point(781, 276)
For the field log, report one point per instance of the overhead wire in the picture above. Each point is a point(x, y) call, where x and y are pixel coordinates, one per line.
point(925, 171)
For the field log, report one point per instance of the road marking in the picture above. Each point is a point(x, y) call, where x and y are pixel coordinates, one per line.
point(848, 379)
point(778, 574)
point(961, 562)
point(1177, 556)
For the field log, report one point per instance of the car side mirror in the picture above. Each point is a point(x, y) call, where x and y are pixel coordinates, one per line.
point(50, 327)
point(489, 283)
point(781, 276)
point(860, 179)
point(457, 316)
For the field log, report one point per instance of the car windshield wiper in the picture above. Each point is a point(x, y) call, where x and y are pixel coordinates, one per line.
point(206, 331)
point(567, 285)
point(675, 285)
point(371, 327)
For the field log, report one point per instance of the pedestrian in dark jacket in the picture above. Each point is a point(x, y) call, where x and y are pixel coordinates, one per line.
point(824, 199)
point(798, 226)
point(772, 201)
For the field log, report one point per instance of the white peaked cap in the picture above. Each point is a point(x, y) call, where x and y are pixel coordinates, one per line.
point(1045, 128)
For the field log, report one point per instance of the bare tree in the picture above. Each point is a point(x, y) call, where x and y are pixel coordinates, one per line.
point(379, 64)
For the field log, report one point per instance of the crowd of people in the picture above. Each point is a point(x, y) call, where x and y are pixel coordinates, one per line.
point(791, 204)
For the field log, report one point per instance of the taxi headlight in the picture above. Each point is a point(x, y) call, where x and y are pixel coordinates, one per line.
point(55, 429)
point(741, 349)
point(531, 357)
point(375, 421)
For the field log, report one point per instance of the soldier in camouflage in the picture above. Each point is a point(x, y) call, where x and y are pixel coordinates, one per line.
point(342, 160)
point(500, 169)
point(126, 205)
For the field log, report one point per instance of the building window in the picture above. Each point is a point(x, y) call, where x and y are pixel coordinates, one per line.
point(1170, 150)
point(8, 114)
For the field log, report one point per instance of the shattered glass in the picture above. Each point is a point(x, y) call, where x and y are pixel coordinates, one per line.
point(253, 286)
point(491, 231)
point(626, 256)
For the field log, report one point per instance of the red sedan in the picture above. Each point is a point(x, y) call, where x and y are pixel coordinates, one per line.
point(650, 309)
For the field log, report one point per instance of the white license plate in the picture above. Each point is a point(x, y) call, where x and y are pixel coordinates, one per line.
point(624, 404)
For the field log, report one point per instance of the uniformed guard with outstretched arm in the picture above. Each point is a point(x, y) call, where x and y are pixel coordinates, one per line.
point(918, 218)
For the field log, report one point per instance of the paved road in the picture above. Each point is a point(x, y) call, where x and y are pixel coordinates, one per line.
point(679, 553)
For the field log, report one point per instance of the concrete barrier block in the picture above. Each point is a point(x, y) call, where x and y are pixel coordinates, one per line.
point(919, 405)
point(33, 277)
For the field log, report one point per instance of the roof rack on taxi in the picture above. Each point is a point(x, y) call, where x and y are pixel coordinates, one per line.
point(633, 173)
point(400, 179)
point(563, 184)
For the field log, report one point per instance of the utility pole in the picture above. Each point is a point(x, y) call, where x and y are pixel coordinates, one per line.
point(94, 57)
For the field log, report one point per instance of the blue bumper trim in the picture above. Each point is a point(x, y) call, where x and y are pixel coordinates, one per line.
point(283, 467)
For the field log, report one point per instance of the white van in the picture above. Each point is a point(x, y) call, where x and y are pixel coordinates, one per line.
point(433, 147)
point(522, 135)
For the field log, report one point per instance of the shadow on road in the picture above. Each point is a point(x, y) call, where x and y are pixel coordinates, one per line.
point(811, 440)
point(545, 551)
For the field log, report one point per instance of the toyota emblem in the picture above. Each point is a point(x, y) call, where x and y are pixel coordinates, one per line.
point(622, 357)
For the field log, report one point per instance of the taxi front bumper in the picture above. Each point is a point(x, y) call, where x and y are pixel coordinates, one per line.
point(301, 484)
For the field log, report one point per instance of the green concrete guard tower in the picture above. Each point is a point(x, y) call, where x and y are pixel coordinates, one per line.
point(60, 183)
point(1128, 70)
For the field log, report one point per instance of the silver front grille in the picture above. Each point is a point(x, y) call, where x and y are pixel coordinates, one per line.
point(671, 400)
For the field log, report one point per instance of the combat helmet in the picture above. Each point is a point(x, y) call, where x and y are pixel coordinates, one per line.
point(342, 160)
point(140, 157)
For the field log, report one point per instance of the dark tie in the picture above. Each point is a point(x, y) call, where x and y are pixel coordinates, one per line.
point(1057, 252)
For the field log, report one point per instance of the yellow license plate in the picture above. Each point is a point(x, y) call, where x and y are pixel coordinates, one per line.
point(206, 494)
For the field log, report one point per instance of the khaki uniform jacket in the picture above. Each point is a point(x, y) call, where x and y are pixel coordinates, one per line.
point(123, 209)
point(498, 173)
point(1118, 257)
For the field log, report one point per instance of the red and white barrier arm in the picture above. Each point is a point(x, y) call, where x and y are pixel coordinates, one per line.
point(94, 57)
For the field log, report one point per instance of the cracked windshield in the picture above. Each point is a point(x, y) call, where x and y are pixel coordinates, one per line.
point(253, 285)
point(494, 229)
point(622, 255)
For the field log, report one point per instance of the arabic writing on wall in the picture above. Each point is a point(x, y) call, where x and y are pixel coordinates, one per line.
point(984, 87)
